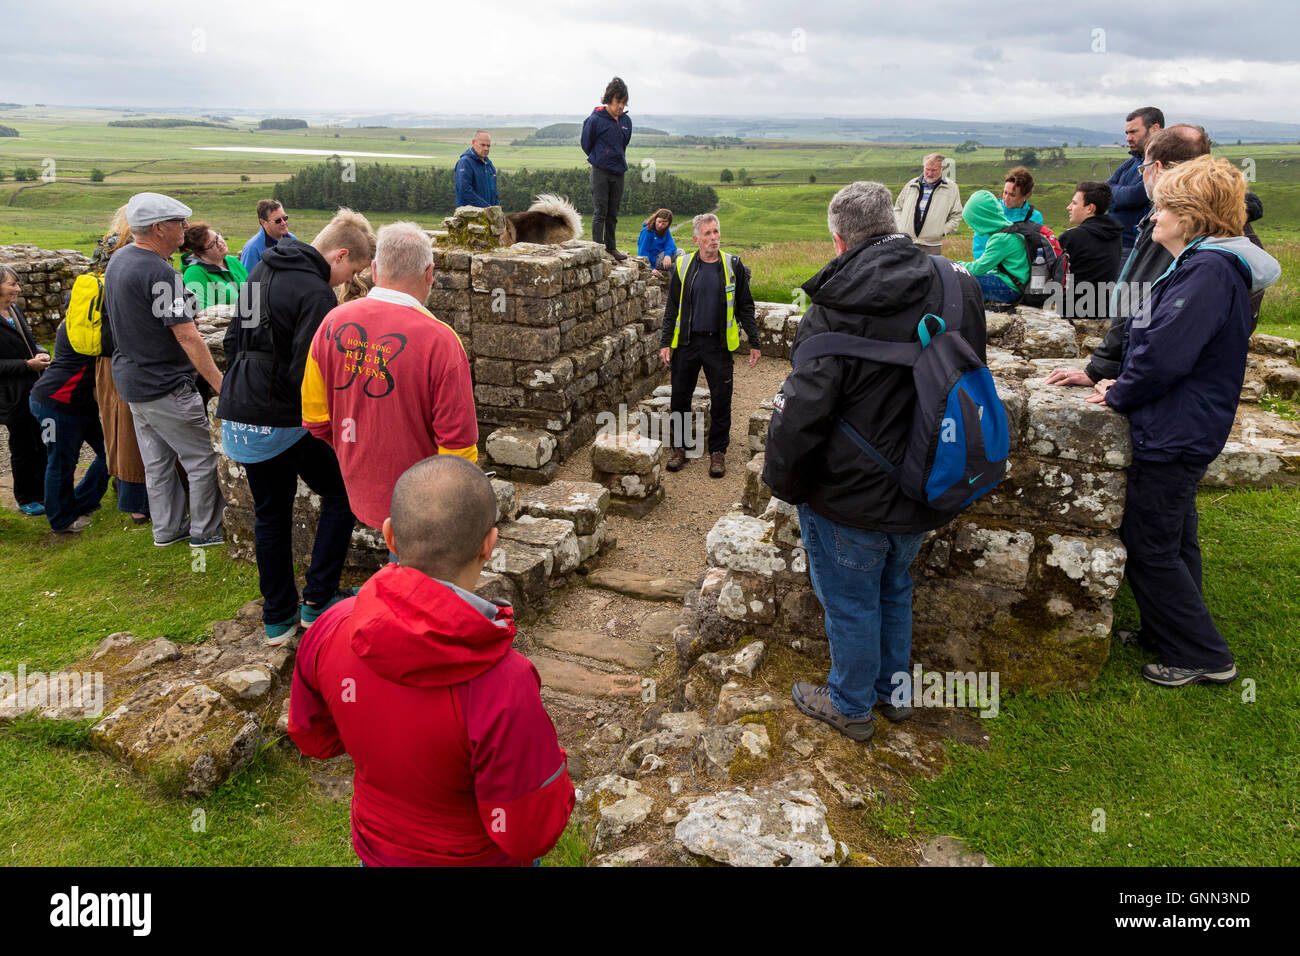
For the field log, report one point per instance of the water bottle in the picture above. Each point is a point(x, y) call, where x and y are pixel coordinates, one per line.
point(1038, 274)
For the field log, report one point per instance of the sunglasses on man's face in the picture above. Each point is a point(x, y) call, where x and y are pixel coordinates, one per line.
point(281, 221)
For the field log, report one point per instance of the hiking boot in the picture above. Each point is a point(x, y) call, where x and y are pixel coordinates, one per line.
point(896, 714)
point(309, 613)
point(1167, 675)
point(618, 254)
point(278, 633)
point(718, 464)
point(81, 524)
point(816, 703)
point(676, 459)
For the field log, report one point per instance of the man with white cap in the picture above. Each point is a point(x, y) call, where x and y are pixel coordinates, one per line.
point(157, 353)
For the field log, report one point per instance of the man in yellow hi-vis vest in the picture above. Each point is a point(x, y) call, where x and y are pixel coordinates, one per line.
point(708, 299)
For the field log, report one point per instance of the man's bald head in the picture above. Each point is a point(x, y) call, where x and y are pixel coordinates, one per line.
point(443, 508)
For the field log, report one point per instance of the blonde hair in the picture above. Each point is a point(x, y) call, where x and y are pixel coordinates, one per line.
point(347, 230)
point(1208, 194)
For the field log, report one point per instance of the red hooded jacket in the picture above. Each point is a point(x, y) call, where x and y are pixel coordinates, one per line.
point(457, 762)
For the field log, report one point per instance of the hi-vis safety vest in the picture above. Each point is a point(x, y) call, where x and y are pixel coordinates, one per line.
point(729, 279)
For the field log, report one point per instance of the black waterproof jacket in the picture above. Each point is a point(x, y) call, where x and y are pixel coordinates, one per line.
point(1094, 250)
point(879, 289)
point(266, 349)
point(1146, 263)
point(17, 345)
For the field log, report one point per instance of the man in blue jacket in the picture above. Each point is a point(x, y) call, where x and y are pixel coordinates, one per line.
point(605, 135)
point(476, 177)
point(275, 226)
point(1129, 201)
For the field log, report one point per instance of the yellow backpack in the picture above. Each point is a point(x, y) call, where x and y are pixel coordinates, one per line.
point(85, 318)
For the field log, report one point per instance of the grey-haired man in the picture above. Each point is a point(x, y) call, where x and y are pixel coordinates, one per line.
point(158, 356)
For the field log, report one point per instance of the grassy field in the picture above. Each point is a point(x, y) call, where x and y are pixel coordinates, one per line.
point(1197, 776)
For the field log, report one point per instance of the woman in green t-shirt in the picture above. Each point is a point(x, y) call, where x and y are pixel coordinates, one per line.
point(211, 273)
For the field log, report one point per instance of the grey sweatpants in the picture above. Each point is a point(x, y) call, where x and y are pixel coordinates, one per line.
point(176, 426)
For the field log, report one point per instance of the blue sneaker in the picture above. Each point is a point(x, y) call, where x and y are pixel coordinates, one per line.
point(309, 613)
point(32, 508)
point(277, 634)
point(211, 542)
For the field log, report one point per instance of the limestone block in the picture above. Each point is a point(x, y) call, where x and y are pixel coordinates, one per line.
point(552, 375)
point(551, 534)
point(1094, 564)
point(1070, 493)
point(736, 700)
point(717, 747)
point(993, 554)
point(582, 502)
point(626, 454)
point(521, 343)
point(505, 495)
point(1061, 424)
point(748, 597)
point(521, 447)
point(528, 567)
point(1048, 337)
point(743, 663)
point(756, 494)
point(741, 543)
point(518, 273)
point(766, 827)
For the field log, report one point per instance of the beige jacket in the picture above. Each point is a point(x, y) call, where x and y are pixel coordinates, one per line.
point(942, 215)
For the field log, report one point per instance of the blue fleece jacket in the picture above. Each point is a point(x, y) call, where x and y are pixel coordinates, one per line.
point(1186, 355)
point(605, 140)
point(654, 246)
point(251, 254)
point(1128, 200)
point(476, 181)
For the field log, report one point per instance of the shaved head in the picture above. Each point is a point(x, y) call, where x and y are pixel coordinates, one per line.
point(443, 508)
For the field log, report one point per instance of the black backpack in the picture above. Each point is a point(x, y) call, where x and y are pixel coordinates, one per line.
point(960, 438)
point(1038, 238)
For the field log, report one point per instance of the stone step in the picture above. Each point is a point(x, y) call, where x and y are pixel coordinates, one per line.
point(644, 586)
point(569, 678)
point(598, 646)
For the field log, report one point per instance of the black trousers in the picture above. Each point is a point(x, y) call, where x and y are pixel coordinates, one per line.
point(274, 483)
point(1164, 564)
point(26, 455)
point(708, 352)
point(606, 194)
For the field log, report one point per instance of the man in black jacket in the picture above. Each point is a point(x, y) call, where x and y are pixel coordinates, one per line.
point(261, 412)
point(1093, 246)
point(1148, 261)
point(708, 297)
point(859, 528)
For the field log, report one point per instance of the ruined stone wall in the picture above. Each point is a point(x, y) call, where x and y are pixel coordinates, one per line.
point(46, 278)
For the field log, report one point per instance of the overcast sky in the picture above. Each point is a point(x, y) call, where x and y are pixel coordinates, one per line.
point(947, 60)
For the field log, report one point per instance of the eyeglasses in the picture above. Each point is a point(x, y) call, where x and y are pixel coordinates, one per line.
point(214, 243)
point(180, 220)
point(1142, 166)
point(283, 219)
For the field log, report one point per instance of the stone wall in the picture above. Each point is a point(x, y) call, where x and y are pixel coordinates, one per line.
point(46, 278)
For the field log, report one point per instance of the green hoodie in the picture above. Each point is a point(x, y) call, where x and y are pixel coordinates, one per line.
point(1005, 252)
point(213, 285)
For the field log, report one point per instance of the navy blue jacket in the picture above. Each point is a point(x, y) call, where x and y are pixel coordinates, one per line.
point(476, 181)
point(1129, 202)
point(605, 140)
point(1186, 358)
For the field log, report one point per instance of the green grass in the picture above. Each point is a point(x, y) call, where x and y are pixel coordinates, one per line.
point(1190, 777)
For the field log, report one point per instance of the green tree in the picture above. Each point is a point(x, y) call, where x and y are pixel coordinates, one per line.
point(96, 175)
point(812, 178)
point(726, 176)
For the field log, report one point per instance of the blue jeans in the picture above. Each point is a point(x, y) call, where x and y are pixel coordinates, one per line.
point(996, 289)
point(132, 497)
point(863, 581)
point(63, 434)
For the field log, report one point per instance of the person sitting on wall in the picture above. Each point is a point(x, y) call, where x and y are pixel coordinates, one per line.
point(656, 241)
point(1003, 267)
point(1015, 204)
point(1093, 246)
point(211, 273)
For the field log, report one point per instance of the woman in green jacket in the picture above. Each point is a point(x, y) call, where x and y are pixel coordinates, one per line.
point(211, 274)
point(1003, 268)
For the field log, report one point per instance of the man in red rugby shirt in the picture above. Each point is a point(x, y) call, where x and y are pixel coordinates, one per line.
point(457, 762)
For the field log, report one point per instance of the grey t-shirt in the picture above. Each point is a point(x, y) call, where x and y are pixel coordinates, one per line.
point(144, 297)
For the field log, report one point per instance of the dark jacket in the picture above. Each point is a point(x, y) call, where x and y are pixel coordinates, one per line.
point(1186, 358)
point(68, 382)
point(743, 305)
point(880, 290)
point(1145, 264)
point(17, 345)
point(476, 181)
point(265, 359)
point(1129, 202)
point(605, 140)
point(1094, 250)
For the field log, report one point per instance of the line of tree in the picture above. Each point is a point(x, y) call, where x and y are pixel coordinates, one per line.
point(282, 123)
point(163, 123)
point(8, 131)
point(390, 188)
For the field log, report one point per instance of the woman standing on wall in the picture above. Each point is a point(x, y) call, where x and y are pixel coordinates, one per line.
point(605, 136)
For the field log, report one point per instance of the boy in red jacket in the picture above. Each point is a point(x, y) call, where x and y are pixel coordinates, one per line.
point(457, 762)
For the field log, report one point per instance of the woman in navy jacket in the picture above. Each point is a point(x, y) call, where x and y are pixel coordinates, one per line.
point(21, 361)
point(605, 135)
point(1179, 384)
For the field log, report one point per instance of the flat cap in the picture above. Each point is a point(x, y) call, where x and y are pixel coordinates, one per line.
point(144, 209)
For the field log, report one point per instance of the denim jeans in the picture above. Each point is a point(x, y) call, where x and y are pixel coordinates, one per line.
point(997, 290)
point(63, 433)
point(863, 580)
point(132, 497)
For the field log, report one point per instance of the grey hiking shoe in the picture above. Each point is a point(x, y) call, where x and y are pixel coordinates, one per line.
point(896, 713)
point(1168, 676)
point(816, 702)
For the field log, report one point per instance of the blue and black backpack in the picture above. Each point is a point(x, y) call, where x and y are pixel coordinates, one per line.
point(958, 446)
